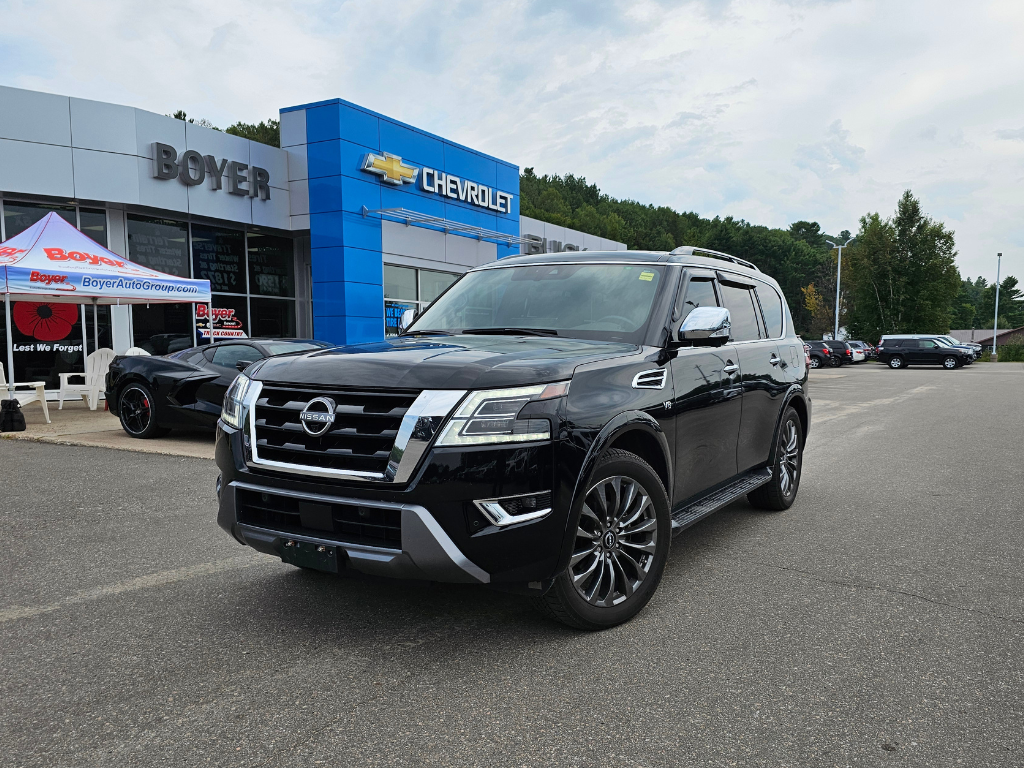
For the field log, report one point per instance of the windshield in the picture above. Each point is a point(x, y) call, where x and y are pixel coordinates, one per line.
point(284, 347)
point(588, 301)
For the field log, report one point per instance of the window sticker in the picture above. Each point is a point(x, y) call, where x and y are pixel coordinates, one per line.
point(647, 276)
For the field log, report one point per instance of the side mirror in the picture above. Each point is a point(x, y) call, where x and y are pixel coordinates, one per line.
point(241, 365)
point(406, 319)
point(706, 327)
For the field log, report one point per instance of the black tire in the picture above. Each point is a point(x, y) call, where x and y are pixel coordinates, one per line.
point(136, 407)
point(896, 362)
point(949, 363)
point(836, 362)
point(779, 493)
point(636, 559)
point(815, 362)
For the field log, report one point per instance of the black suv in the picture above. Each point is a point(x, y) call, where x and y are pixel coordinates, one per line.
point(545, 427)
point(901, 351)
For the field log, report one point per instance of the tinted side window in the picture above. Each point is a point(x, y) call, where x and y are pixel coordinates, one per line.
point(739, 300)
point(891, 343)
point(699, 293)
point(927, 344)
point(230, 354)
point(771, 305)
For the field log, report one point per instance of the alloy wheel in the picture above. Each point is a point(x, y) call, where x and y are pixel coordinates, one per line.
point(949, 362)
point(136, 411)
point(616, 539)
point(789, 460)
point(815, 363)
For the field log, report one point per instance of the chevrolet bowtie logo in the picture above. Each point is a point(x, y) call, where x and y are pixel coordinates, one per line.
point(390, 168)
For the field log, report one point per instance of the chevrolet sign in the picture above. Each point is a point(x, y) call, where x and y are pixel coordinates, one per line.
point(393, 170)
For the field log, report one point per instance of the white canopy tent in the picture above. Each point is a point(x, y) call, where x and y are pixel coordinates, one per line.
point(54, 263)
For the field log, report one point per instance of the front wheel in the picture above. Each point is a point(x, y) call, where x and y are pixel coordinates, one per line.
point(137, 410)
point(780, 492)
point(896, 362)
point(622, 543)
point(949, 363)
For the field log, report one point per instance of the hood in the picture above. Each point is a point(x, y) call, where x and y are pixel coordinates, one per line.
point(442, 362)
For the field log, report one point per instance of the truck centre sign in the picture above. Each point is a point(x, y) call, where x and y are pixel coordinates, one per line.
point(192, 169)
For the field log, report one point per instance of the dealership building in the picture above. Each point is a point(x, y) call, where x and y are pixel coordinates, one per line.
point(355, 218)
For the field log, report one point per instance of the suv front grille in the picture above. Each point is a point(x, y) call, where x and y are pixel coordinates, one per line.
point(349, 523)
point(360, 439)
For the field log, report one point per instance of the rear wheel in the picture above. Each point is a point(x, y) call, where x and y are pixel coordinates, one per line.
point(622, 543)
point(780, 492)
point(137, 410)
point(815, 362)
point(896, 362)
point(950, 362)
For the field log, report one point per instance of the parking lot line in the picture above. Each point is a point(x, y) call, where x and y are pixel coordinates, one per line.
point(158, 579)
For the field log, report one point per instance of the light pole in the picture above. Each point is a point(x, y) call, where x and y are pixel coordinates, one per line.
point(995, 323)
point(839, 273)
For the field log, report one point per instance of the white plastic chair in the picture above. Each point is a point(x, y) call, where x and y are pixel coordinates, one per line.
point(135, 352)
point(96, 366)
point(23, 397)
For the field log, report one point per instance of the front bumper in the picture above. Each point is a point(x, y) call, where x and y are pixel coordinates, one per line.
point(443, 536)
point(427, 552)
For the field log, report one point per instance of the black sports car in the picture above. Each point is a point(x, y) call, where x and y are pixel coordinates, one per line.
point(185, 389)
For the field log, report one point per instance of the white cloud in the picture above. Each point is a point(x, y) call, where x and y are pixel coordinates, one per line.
point(767, 110)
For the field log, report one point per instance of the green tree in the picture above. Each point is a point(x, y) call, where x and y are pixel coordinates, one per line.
point(265, 132)
point(902, 274)
point(1011, 305)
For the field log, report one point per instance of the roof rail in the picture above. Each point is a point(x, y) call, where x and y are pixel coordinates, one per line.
point(689, 250)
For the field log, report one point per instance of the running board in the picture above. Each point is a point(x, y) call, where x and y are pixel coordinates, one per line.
point(686, 516)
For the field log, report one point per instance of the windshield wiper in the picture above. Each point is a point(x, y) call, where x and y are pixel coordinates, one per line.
point(426, 333)
point(511, 331)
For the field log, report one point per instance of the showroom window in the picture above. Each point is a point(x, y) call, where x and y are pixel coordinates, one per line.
point(408, 288)
point(252, 277)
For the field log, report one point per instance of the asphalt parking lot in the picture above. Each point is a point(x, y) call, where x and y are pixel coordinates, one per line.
point(878, 622)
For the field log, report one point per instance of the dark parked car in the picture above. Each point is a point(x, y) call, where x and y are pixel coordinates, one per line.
point(544, 427)
point(185, 389)
point(829, 353)
point(901, 351)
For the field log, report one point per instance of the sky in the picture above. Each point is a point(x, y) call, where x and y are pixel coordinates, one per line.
point(771, 111)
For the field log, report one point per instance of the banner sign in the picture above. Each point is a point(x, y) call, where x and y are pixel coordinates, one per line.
point(226, 325)
point(24, 280)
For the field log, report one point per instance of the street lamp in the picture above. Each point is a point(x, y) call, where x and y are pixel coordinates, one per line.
point(839, 272)
point(995, 323)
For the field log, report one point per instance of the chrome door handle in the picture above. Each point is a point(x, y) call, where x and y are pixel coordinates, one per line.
point(774, 359)
point(730, 369)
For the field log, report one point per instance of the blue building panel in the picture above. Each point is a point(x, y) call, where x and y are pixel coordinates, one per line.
point(355, 265)
point(346, 258)
point(411, 145)
point(324, 194)
point(324, 158)
point(359, 126)
point(326, 230)
point(469, 165)
point(356, 193)
point(508, 178)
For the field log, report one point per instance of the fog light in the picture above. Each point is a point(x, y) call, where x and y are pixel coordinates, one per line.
point(509, 510)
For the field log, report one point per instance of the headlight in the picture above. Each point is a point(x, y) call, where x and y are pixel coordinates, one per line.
point(233, 411)
point(490, 416)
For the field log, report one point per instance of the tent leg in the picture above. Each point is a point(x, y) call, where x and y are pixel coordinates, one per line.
point(95, 326)
point(10, 346)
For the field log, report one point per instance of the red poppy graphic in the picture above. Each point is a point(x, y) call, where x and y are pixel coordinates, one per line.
point(45, 321)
